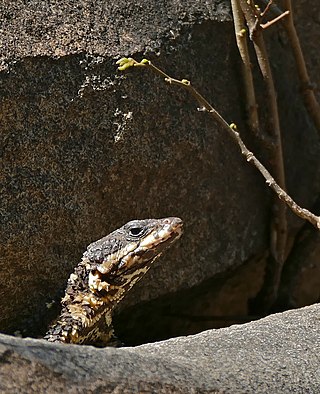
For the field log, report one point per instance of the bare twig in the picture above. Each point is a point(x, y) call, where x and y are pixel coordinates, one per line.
point(309, 97)
point(125, 63)
point(270, 6)
point(278, 231)
point(241, 37)
point(268, 293)
point(279, 222)
point(276, 19)
point(307, 89)
point(266, 10)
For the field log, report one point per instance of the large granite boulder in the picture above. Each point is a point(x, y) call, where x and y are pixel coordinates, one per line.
point(278, 354)
point(85, 148)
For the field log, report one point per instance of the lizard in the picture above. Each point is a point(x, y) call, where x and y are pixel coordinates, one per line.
point(108, 270)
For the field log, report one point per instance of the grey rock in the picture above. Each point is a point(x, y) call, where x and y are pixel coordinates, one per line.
point(85, 148)
point(278, 354)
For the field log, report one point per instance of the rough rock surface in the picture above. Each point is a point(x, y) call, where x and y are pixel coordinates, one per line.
point(85, 148)
point(278, 354)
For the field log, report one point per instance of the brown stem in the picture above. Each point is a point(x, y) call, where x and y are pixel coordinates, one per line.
point(266, 10)
point(279, 222)
point(275, 20)
point(271, 7)
point(309, 97)
point(241, 38)
point(278, 230)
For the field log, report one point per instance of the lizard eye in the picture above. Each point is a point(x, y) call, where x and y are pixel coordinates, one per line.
point(136, 231)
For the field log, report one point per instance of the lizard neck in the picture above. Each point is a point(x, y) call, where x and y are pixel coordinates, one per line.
point(86, 316)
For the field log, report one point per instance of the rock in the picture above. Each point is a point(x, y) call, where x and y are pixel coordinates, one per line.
point(277, 354)
point(85, 148)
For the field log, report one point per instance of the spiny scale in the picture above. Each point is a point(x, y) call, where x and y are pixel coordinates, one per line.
point(108, 270)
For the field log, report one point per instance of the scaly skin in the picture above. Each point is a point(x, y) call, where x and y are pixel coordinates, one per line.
point(108, 270)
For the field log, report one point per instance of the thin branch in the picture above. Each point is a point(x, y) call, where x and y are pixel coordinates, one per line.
point(278, 224)
point(266, 10)
point(253, 15)
point(276, 19)
point(272, 7)
point(308, 95)
point(241, 38)
point(310, 100)
point(125, 63)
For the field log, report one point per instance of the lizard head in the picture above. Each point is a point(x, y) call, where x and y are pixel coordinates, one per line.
point(109, 268)
point(122, 258)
